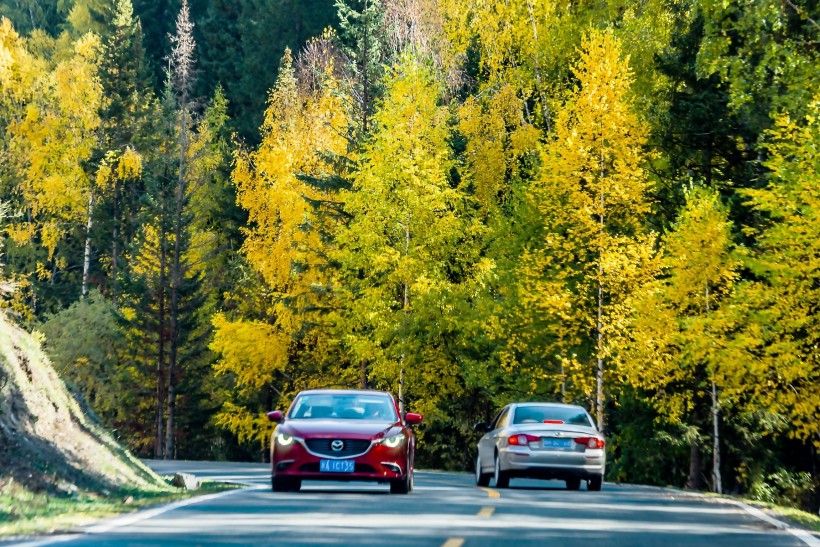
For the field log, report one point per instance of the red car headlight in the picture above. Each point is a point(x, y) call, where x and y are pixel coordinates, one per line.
point(283, 439)
point(393, 441)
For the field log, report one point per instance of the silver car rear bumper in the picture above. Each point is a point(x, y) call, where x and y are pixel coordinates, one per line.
point(558, 464)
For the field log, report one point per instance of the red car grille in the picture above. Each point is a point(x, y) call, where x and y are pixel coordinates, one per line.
point(350, 447)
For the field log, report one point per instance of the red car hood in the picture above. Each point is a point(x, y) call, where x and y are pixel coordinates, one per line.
point(349, 429)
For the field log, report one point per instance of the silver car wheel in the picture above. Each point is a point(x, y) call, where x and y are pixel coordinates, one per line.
point(481, 478)
point(502, 478)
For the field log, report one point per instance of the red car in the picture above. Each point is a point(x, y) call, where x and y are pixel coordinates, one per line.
point(343, 435)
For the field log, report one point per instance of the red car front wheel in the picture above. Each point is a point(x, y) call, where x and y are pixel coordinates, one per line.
point(403, 485)
point(285, 484)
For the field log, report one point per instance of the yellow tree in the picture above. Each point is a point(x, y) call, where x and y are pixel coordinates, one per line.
point(405, 224)
point(675, 351)
point(21, 76)
point(528, 44)
point(303, 125)
point(772, 358)
point(592, 199)
point(55, 140)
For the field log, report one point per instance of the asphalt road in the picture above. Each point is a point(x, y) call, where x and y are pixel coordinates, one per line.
point(445, 510)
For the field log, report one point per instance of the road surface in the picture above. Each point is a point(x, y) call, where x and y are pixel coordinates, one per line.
point(445, 510)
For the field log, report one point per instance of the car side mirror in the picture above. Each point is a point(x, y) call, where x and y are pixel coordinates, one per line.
point(276, 416)
point(482, 427)
point(411, 418)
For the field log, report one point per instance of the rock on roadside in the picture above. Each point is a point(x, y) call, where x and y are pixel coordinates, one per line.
point(186, 481)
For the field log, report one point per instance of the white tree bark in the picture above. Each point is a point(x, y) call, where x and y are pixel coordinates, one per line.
point(87, 256)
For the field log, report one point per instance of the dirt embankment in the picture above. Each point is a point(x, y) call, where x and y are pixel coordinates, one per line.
point(46, 442)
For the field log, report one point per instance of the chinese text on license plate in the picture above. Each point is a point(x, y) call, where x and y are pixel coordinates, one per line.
point(337, 466)
point(548, 442)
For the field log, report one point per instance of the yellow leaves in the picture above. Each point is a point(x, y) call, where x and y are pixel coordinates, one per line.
point(21, 233)
point(248, 427)
point(52, 130)
point(103, 174)
point(298, 130)
point(41, 271)
point(88, 47)
point(130, 164)
point(7, 60)
point(698, 251)
point(22, 74)
point(774, 324)
point(497, 137)
point(118, 166)
point(51, 233)
point(250, 350)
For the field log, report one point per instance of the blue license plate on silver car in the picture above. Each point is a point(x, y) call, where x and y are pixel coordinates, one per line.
point(548, 442)
point(337, 466)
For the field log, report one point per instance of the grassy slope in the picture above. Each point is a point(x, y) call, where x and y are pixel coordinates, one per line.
point(58, 467)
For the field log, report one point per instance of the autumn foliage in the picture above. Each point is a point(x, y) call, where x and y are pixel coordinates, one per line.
point(463, 202)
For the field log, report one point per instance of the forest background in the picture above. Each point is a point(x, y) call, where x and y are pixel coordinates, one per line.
point(209, 207)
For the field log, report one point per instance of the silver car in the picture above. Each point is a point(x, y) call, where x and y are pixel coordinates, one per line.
point(541, 441)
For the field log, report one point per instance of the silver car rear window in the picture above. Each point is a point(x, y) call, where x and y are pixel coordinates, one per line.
point(531, 414)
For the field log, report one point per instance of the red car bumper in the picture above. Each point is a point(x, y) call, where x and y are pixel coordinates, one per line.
point(301, 460)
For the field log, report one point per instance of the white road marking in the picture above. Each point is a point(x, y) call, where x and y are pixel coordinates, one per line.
point(428, 524)
point(802, 535)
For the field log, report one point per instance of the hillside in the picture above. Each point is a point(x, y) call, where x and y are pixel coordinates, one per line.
point(47, 443)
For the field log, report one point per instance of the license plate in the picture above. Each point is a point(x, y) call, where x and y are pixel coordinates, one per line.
point(337, 466)
point(548, 442)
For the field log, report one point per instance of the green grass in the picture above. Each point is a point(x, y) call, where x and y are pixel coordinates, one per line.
point(802, 518)
point(24, 513)
point(792, 515)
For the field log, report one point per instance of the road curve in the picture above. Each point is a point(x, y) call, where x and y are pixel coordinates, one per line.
point(445, 510)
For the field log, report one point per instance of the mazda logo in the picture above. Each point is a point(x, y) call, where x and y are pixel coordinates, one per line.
point(337, 445)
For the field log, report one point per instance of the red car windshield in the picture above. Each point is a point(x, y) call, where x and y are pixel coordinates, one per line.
point(343, 406)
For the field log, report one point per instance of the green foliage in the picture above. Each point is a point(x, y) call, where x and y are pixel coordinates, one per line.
point(88, 349)
point(469, 202)
point(28, 15)
point(785, 488)
point(764, 52)
point(241, 41)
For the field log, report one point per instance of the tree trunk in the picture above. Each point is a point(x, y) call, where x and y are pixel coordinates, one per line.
point(537, 66)
point(114, 259)
point(158, 451)
point(694, 482)
point(599, 327)
point(114, 240)
point(563, 384)
point(406, 309)
point(182, 58)
point(87, 255)
point(717, 485)
point(363, 374)
point(401, 391)
point(365, 75)
point(176, 282)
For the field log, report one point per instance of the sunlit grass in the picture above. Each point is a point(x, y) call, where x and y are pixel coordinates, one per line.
point(796, 516)
point(804, 519)
point(23, 512)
